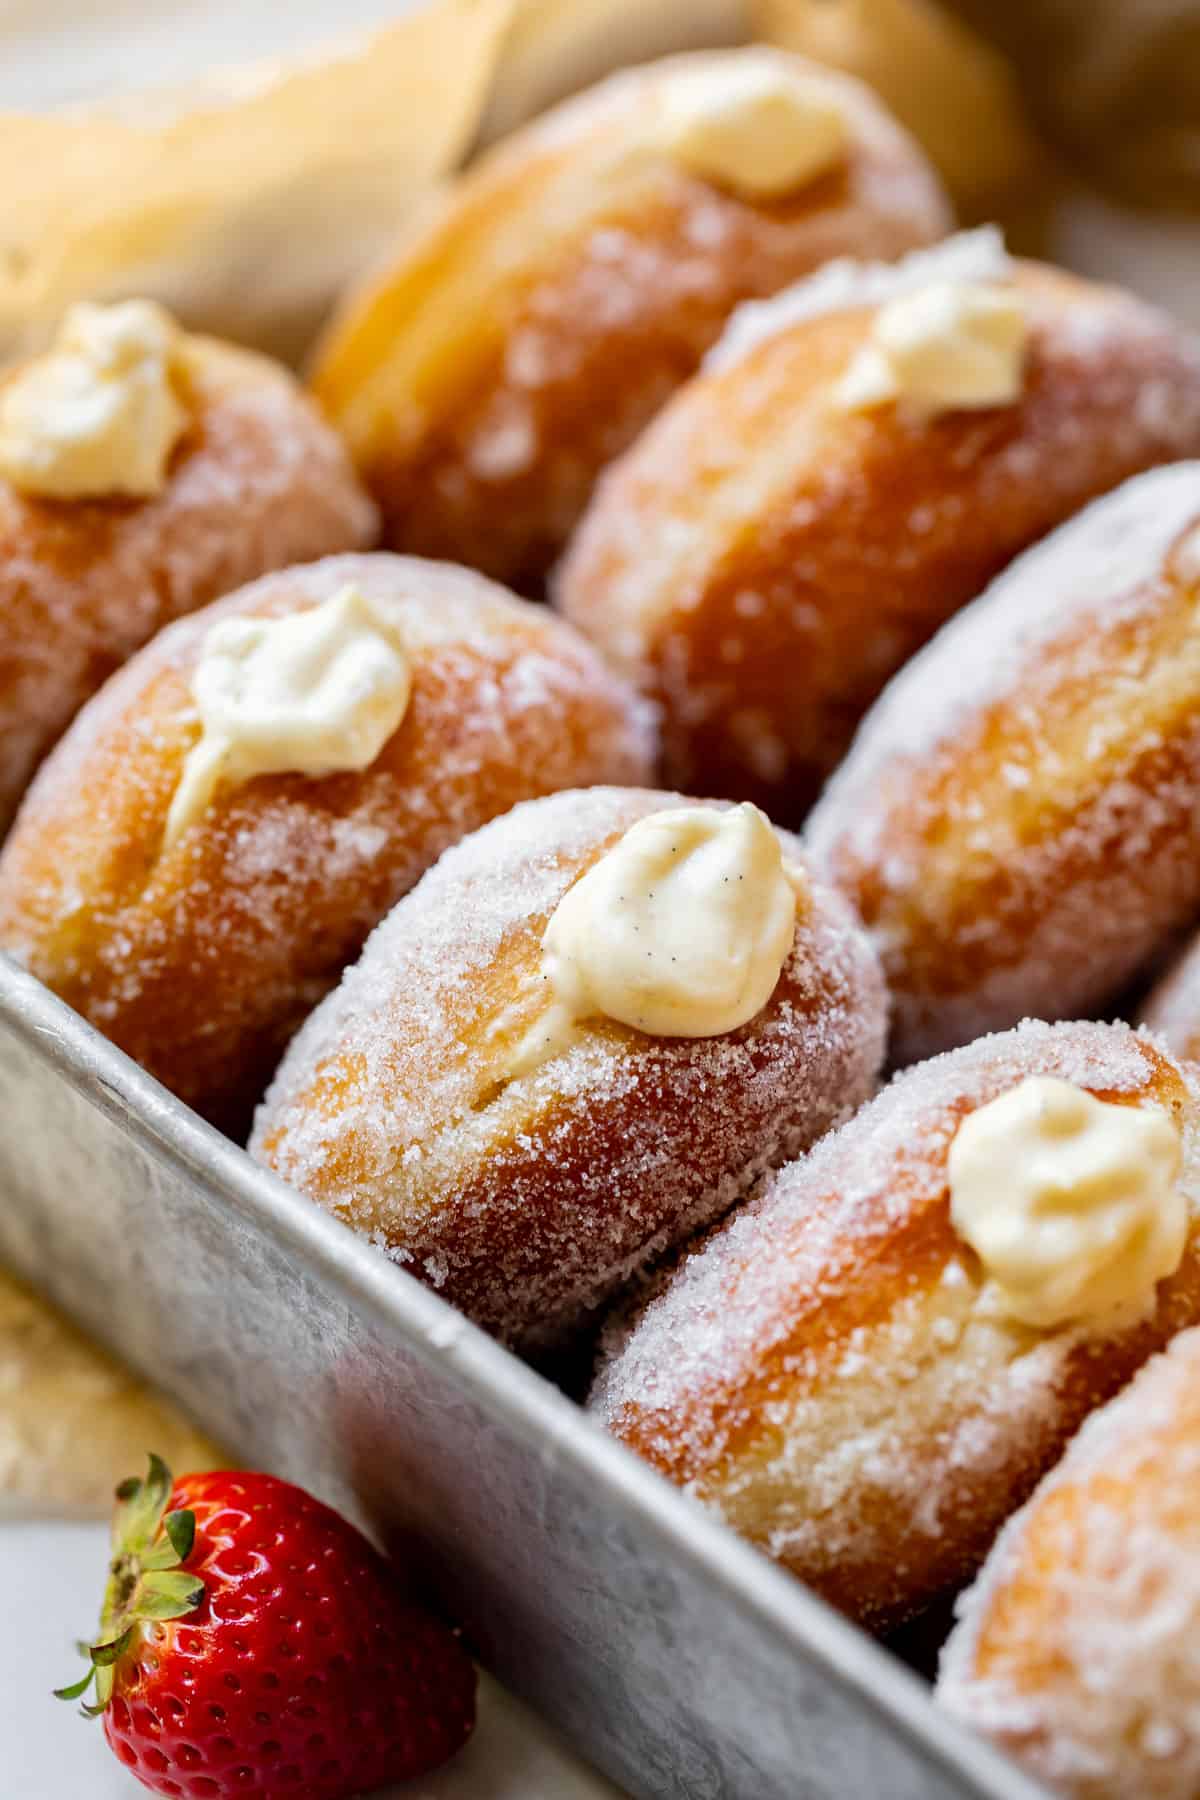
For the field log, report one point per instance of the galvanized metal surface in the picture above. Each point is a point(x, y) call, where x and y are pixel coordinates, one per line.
point(674, 1657)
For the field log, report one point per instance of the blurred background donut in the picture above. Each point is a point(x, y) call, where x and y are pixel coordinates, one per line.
point(577, 273)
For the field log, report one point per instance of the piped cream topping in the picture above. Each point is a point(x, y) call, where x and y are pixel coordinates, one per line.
point(680, 930)
point(846, 284)
point(947, 346)
point(100, 412)
point(1072, 1204)
point(762, 129)
point(311, 693)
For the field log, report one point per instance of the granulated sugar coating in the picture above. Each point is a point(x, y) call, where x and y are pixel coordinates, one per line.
point(1017, 819)
point(1078, 1649)
point(826, 1370)
point(257, 481)
point(202, 958)
point(526, 1201)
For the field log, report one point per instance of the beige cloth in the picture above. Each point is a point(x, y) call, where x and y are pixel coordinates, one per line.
point(72, 1422)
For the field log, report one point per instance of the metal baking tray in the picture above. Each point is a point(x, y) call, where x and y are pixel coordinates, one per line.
point(674, 1657)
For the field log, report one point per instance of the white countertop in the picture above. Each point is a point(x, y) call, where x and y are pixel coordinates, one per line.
point(51, 1576)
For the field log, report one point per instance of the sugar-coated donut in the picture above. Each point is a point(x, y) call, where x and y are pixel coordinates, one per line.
point(576, 275)
point(200, 956)
point(526, 1199)
point(1172, 1008)
point(256, 481)
point(1078, 1648)
point(1017, 821)
point(828, 1371)
point(773, 547)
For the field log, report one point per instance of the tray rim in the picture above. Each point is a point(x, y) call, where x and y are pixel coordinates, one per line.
point(531, 1407)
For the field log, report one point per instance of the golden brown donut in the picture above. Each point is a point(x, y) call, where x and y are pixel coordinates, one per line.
point(1017, 820)
point(825, 1371)
point(763, 559)
point(200, 959)
point(568, 283)
point(526, 1201)
point(257, 481)
point(1078, 1648)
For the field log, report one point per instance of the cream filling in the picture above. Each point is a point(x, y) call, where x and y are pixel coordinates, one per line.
point(99, 413)
point(681, 930)
point(756, 127)
point(1072, 1204)
point(312, 693)
point(947, 346)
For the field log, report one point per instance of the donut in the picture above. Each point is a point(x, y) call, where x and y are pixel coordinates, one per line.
point(1076, 1649)
point(534, 1078)
point(1172, 1008)
point(1017, 821)
point(856, 460)
point(578, 272)
point(102, 541)
point(195, 907)
point(869, 1365)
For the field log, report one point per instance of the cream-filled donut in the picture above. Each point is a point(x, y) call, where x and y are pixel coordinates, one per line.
point(587, 1031)
point(867, 1368)
point(144, 472)
point(857, 459)
point(211, 842)
point(576, 274)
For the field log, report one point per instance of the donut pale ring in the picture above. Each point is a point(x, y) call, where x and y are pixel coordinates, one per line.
point(763, 560)
point(526, 1201)
point(1017, 821)
point(201, 960)
point(821, 1371)
point(256, 482)
point(1078, 1648)
point(570, 281)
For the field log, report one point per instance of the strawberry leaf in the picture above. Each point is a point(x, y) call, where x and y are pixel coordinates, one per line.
point(104, 1655)
point(146, 1507)
point(180, 1527)
point(76, 1688)
point(168, 1594)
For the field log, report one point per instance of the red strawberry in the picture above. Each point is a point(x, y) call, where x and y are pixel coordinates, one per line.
point(253, 1644)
